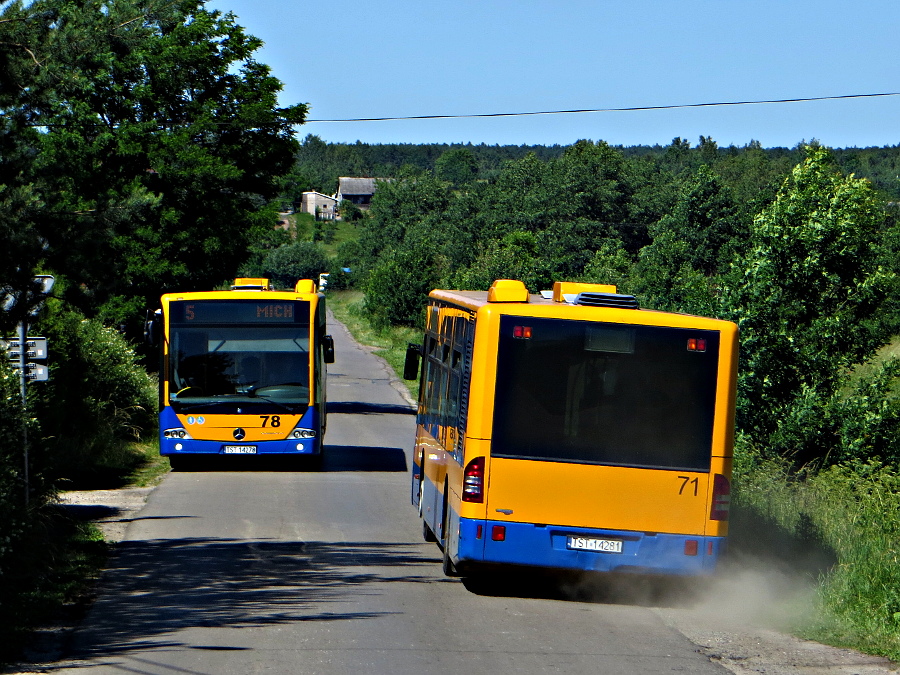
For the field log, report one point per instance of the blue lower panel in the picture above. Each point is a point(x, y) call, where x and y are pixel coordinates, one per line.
point(546, 546)
point(187, 446)
point(167, 446)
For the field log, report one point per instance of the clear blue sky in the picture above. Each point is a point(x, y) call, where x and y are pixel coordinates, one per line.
point(388, 58)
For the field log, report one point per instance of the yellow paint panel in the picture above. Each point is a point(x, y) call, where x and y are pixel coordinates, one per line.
point(579, 495)
point(221, 427)
point(558, 493)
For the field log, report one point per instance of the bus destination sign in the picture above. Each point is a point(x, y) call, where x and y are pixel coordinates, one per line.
point(237, 311)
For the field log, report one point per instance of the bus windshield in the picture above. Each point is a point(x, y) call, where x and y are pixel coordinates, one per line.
point(603, 393)
point(227, 366)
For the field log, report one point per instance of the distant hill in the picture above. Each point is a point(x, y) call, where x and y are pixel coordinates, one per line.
point(319, 164)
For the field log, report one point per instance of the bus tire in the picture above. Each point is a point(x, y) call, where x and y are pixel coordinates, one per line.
point(427, 533)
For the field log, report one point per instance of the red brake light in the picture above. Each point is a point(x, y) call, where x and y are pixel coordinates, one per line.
point(696, 344)
point(498, 533)
point(473, 482)
point(721, 498)
point(522, 332)
point(691, 546)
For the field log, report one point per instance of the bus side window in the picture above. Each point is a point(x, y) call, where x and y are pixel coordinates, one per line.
point(430, 397)
point(452, 415)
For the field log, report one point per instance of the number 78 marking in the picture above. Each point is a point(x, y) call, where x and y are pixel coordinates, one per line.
point(686, 481)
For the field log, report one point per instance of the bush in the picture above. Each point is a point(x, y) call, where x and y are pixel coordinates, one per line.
point(300, 260)
point(13, 515)
point(97, 401)
point(397, 288)
point(846, 510)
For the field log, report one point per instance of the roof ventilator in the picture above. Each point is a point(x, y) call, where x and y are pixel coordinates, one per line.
point(606, 300)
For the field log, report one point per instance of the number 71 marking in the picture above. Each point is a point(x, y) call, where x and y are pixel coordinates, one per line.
point(686, 481)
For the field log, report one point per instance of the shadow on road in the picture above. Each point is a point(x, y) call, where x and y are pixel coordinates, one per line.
point(362, 408)
point(153, 589)
point(337, 458)
point(363, 458)
point(601, 588)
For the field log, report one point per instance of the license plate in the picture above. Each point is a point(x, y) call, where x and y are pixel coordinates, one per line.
point(588, 544)
point(240, 450)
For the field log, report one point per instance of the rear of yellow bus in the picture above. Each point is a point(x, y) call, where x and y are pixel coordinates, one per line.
point(599, 438)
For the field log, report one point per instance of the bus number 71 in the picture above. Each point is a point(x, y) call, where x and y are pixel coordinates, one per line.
point(685, 482)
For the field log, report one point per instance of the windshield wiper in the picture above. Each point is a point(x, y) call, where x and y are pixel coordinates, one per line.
point(291, 408)
point(182, 403)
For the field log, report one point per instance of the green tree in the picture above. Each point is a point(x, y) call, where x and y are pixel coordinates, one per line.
point(610, 264)
point(457, 166)
point(412, 200)
point(350, 212)
point(397, 288)
point(806, 295)
point(287, 264)
point(692, 244)
point(516, 256)
point(161, 139)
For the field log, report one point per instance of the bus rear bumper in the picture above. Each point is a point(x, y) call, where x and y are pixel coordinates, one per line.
point(548, 546)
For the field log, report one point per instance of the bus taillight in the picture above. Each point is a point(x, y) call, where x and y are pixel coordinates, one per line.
point(522, 332)
point(696, 345)
point(473, 483)
point(721, 498)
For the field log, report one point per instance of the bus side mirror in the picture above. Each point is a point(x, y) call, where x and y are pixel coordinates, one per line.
point(411, 366)
point(328, 345)
point(151, 328)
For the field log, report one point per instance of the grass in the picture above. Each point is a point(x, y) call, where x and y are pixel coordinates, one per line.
point(150, 466)
point(304, 227)
point(389, 343)
point(848, 514)
point(129, 464)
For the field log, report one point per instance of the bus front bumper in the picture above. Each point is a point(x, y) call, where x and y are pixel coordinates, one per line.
point(185, 446)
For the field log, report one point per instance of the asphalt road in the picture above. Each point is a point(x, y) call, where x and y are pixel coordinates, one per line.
point(240, 569)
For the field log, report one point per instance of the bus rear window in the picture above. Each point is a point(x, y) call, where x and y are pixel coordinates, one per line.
point(598, 393)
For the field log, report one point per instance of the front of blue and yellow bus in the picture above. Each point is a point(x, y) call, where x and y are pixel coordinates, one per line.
point(238, 377)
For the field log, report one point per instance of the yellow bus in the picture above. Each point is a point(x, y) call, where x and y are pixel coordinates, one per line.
point(573, 430)
point(243, 371)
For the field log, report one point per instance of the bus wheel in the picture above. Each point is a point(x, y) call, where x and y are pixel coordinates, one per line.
point(447, 564)
point(427, 534)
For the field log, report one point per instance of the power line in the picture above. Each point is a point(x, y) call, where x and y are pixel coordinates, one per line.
point(600, 110)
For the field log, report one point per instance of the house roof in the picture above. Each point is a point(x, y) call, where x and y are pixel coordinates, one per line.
point(356, 186)
point(320, 195)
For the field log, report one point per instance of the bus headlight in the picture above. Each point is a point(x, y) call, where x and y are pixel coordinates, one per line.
point(303, 433)
point(176, 433)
